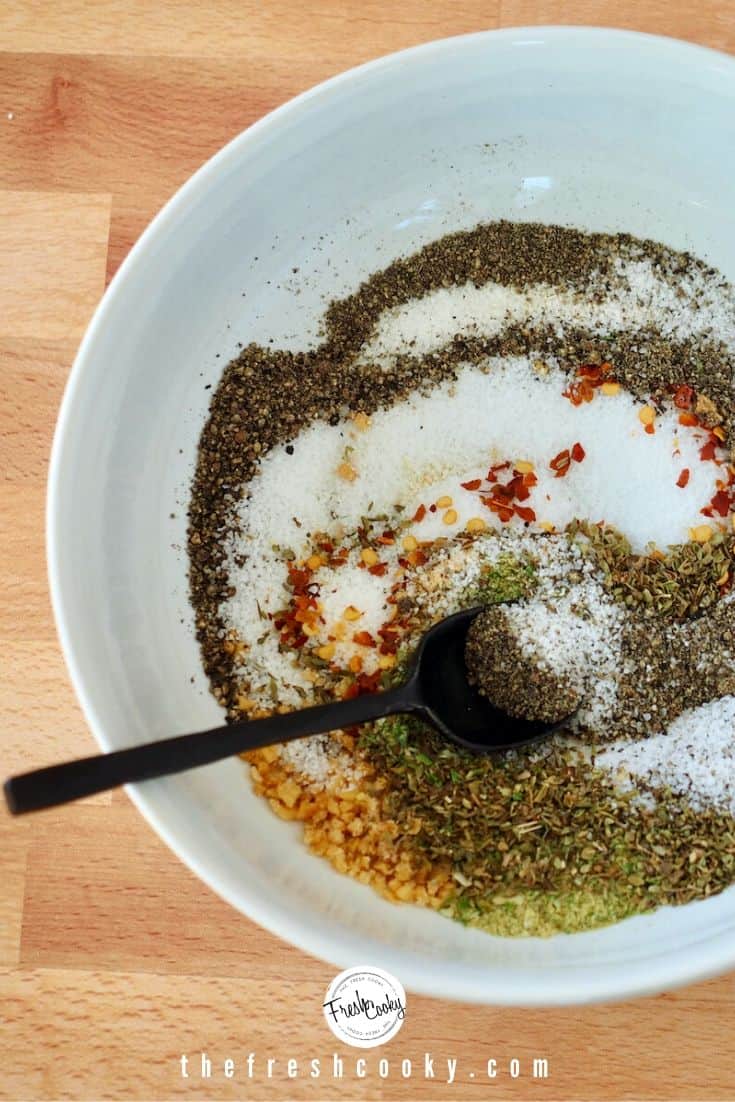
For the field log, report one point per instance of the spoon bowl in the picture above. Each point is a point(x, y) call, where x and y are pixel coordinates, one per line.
point(453, 706)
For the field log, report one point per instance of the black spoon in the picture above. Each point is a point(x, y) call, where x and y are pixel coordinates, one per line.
point(437, 690)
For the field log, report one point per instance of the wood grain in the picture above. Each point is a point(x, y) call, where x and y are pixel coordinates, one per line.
point(279, 33)
point(114, 959)
point(709, 23)
point(53, 250)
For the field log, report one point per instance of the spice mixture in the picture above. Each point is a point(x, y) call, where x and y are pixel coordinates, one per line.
point(500, 670)
point(531, 418)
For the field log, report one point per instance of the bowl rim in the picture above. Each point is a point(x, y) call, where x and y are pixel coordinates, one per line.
point(493, 985)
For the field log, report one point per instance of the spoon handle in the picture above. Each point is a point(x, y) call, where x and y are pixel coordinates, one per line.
point(58, 784)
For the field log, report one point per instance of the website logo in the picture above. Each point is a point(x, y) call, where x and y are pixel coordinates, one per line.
point(365, 1006)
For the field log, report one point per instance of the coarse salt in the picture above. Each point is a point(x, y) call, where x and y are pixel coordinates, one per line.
point(633, 297)
point(320, 759)
point(695, 756)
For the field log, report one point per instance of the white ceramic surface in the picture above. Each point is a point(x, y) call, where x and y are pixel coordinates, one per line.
point(596, 128)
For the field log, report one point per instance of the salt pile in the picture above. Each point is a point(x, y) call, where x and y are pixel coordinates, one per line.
point(635, 299)
point(694, 757)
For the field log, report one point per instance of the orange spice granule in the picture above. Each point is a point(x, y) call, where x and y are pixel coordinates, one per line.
point(350, 828)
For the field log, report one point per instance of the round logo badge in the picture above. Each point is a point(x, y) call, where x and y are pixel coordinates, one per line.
point(365, 1006)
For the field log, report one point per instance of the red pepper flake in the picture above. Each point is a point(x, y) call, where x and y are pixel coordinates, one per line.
point(525, 514)
point(503, 495)
point(688, 419)
point(721, 503)
point(379, 569)
point(384, 632)
point(578, 452)
point(369, 682)
point(683, 397)
point(505, 492)
point(420, 513)
point(580, 392)
point(432, 508)
point(594, 373)
point(473, 484)
point(515, 488)
point(363, 683)
point(649, 429)
point(708, 451)
point(501, 508)
point(492, 474)
point(298, 578)
point(417, 558)
point(560, 463)
point(301, 610)
point(363, 639)
point(683, 478)
point(389, 640)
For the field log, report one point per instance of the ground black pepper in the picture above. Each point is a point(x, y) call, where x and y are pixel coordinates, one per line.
point(512, 682)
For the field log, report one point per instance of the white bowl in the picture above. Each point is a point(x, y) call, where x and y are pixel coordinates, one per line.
point(595, 128)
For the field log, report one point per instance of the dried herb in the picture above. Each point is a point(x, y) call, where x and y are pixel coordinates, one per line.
point(680, 583)
point(508, 579)
point(512, 825)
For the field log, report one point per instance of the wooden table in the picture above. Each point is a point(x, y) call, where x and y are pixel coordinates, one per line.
point(114, 959)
